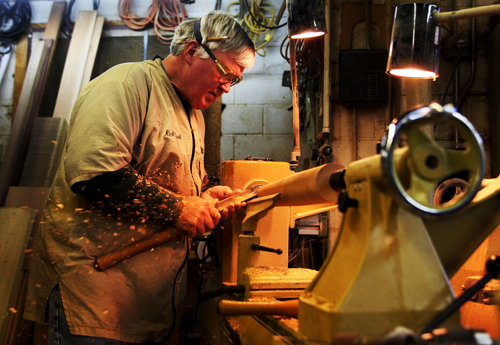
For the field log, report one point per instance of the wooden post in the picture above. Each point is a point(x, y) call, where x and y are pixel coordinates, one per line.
point(213, 137)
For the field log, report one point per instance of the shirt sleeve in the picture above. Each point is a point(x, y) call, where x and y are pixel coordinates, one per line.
point(126, 193)
point(106, 122)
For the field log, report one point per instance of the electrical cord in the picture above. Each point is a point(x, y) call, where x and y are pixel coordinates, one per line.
point(308, 56)
point(164, 15)
point(67, 26)
point(15, 20)
point(456, 65)
point(177, 274)
point(265, 3)
point(257, 20)
point(472, 75)
point(204, 258)
point(293, 255)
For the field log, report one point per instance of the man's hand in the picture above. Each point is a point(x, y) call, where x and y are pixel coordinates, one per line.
point(218, 193)
point(198, 216)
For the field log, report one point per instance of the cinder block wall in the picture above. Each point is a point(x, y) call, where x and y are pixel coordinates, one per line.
point(257, 119)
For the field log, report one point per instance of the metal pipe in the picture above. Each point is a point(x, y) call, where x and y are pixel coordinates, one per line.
point(367, 23)
point(441, 17)
point(286, 308)
point(295, 154)
point(326, 73)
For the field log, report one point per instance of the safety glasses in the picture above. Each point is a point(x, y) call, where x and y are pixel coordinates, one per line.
point(226, 75)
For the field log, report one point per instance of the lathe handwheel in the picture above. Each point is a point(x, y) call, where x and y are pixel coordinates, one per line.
point(417, 167)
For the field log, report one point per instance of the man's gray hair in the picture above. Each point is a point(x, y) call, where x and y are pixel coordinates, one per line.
point(216, 24)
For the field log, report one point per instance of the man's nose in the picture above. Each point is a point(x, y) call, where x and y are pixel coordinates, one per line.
point(225, 87)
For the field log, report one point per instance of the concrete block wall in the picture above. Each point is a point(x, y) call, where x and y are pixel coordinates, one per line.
point(255, 122)
point(257, 119)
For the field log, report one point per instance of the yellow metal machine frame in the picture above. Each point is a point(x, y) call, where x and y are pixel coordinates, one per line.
point(397, 245)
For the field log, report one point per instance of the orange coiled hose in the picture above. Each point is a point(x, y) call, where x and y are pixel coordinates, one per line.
point(164, 15)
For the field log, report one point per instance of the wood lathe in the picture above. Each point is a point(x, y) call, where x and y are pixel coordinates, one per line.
point(398, 244)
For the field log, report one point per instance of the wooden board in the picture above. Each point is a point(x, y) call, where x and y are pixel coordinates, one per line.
point(22, 51)
point(30, 100)
point(74, 66)
point(55, 20)
point(19, 330)
point(94, 45)
point(269, 278)
point(25, 115)
point(15, 230)
point(19, 71)
point(15, 321)
point(213, 138)
point(32, 197)
point(44, 152)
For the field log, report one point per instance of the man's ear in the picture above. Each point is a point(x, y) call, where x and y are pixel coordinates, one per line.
point(190, 50)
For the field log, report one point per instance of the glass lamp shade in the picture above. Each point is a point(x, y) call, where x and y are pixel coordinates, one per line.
point(306, 18)
point(413, 51)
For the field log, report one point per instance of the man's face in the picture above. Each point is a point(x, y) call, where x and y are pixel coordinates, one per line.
point(206, 85)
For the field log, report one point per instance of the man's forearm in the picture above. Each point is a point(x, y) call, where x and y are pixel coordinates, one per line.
point(128, 194)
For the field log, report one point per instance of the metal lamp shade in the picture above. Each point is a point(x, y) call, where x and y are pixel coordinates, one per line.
point(414, 42)
point(306, 18)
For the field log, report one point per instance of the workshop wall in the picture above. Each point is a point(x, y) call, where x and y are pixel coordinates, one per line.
point(256, 119)
point(358, 126)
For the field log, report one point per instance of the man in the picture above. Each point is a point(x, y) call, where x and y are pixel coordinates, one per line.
point(133, 166)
